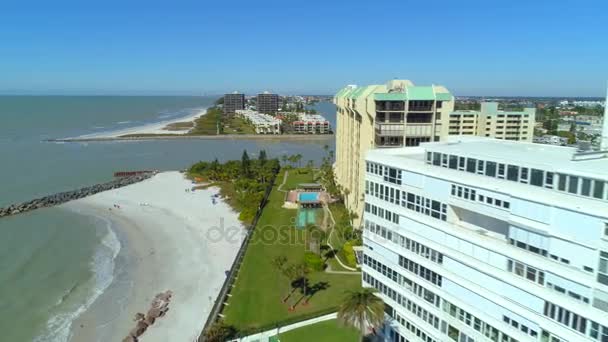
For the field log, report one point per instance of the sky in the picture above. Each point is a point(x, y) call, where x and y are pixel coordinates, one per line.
point(128, 47)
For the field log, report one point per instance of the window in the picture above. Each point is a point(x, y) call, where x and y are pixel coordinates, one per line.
point(586, 187)
point(537, 177)
point(561, 185)
point(461, 161)
point(602, 273)
point(524, 175)
point(471, 164)
point(501, 170)
point(573, 185)
point(512, 173)
point(598, 189)
point(549, 180)
point(436, 158)
point(480, 167)
point(491, 169)
point(453, 162)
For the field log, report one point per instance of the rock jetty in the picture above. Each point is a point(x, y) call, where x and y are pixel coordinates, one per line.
point(63, 197)
point(160, 306)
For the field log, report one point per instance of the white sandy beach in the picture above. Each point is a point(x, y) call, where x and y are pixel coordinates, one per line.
point(153, 128)
point(170, 238)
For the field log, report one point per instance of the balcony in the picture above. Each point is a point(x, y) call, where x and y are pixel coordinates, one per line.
point(384, 129)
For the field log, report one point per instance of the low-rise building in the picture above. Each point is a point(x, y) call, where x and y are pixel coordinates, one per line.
point(262, 123)
point(311, 124)
point(493, 123)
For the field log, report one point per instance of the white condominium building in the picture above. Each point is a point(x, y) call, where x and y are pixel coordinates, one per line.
point(311, 124)
point(262, 123)
point(477, 239)
point(494, 123)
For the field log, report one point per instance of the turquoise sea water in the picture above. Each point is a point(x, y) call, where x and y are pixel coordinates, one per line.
point(53, 262)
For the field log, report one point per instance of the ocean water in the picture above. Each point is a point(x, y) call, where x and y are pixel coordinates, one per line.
point(53, 262)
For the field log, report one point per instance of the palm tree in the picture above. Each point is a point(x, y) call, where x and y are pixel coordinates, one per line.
point(362, 309)
point(279, 263)
point(301, 272)
point(291, 274)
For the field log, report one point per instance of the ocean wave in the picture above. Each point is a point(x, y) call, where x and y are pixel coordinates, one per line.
point(102, 265)
point(123, 122)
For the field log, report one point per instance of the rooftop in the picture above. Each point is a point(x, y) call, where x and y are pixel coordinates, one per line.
point(397, 90)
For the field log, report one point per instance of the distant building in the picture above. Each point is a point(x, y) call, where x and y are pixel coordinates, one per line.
point(262, 123)
point(233, 102)
point(551, 140)
point(268, 103)
point(395, 114)
point(493, 123)
point(311, 124)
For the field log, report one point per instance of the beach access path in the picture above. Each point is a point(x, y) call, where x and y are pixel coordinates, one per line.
point(175, 239)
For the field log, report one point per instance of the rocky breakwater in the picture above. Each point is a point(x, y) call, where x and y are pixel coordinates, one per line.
point(63, 197)
point(158, 309)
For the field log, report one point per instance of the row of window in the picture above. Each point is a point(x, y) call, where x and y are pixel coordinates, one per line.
point(382, 213)
point(465, 317)
point(524, 328)
point(414, 329)
point(525, 271)
point(420, 270)
point(409, 200)
point(581, 186)
point(471, 194)
point(385, 193)
point(390, 174)
point(480, 326)
point(562, 290)
point(585, 326)
point(602, 274)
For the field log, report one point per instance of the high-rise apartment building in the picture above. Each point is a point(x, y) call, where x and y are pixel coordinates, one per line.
point(494, 123)
point(395, 114)
point(477, 239)
point(268, 103)
point(233, 102)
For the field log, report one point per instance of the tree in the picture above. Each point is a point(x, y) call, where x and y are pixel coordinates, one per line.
point(292, 275)
point(297, 158)
point(262, 157)
point(284, 158)
point(362, 309)
point(245, 165)
point(302, 275)
point(279, 264)
point(219, 332)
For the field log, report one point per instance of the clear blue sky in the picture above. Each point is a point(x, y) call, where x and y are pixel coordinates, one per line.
point(517, 47)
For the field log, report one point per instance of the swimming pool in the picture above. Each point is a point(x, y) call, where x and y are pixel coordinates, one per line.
point(308, 197)
point(305, 217)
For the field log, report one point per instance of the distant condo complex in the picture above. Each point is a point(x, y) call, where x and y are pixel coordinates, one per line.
point(476, 239)
point(400, 114)
point(233, 102)
point(268, 103)
point(493, 123)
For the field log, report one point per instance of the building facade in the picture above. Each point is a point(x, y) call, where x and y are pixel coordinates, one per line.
point(494, 123)
point(268, 103)
point(262, 123)
point(395, 114)
point(311, 124)
point(233, 102)
point(477, 239)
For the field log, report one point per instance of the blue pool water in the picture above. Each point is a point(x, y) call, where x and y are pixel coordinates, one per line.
point(308, 196)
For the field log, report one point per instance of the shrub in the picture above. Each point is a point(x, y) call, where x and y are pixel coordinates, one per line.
point(314, 262)
point(347, 254)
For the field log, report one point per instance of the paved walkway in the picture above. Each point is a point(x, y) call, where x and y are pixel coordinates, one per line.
point(333, 228)
point(266, 335)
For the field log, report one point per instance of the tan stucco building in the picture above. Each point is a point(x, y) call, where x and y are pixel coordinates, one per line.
point(493, 123)
point(394, 114)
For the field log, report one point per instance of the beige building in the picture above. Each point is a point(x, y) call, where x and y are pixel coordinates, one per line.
point(394, 114)
point(494, 123)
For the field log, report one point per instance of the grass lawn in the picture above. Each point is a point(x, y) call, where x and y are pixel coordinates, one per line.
point(256, 297)
point(328, 331)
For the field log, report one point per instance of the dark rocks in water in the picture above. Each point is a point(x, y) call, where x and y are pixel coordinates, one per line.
point(140, 329)
point(67, 196)
point(139, 316)
point(158, 308)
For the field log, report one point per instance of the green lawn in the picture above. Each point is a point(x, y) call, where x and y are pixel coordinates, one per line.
point(328, 331)
point(256, 298)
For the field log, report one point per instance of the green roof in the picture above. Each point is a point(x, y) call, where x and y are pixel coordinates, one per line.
point(420, 93)
point(390, 97)
point(342, 91)
point(444, 96)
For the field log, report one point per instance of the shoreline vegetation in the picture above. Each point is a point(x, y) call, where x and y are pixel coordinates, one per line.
point(212, 124)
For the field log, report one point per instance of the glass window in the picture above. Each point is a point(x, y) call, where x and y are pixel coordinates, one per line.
point(501, 170)
point(490, 169)
point(573, 185)
point(480, 167)
point(598, 189)
point(586, 187)
point(524, 175)
point(561, 186)
point(537, 177)
point(461, 162)
point(549, 180)
point(471, 164)
point(436, 158)
point(513, 173)
point(453, 162)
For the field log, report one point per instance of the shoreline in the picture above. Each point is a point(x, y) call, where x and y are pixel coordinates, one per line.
point(164, 232)
point(285, 137)
point(150, 128)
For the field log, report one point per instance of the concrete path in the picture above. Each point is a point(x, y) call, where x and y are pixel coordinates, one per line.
point(266, 335)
